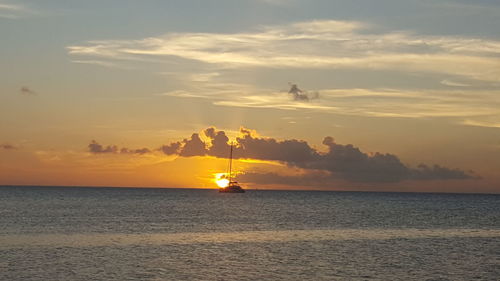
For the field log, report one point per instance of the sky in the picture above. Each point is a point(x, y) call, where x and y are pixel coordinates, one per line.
point(318, 95)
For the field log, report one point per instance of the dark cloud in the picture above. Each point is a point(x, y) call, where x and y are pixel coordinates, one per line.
point(7, 146)
point(299, 95)
point(27, 91)
point(95, 147)
point(171, 149)
point(219, 146)
point(348, 162)
point(293, 152)
point(345, 162)
point(193, 146)
point(424, 172)
point(135, 151)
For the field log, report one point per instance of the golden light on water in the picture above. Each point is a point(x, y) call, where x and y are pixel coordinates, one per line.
point(220, 180)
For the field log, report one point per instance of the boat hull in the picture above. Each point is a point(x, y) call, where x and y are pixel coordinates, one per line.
point(232, 189)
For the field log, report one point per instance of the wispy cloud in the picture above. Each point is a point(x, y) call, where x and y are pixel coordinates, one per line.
point(13, 11)
point(316, 44)
point(358, 102)
point(476, 123)
point(458, 103)
point(455, 62)
point(242, 95)
point(10, 7)
point(95, 62)
point(454, 83)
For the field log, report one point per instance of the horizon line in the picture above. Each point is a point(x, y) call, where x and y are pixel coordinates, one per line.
point(248, 189)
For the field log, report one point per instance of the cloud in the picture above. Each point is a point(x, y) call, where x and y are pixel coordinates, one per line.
point(9, 7)
point(135, 151)
point(13, 11)
point(345, 162)
point(27, 91)
point(424, 172)
point(322, 44)
point(7, 146)
point(171, 149)
point(300, 95)
point(487, 124)
point(96, 148)
point(453, 83)
point(96, 62)
point(193, 146)
point(456, 103)
point(330, 46)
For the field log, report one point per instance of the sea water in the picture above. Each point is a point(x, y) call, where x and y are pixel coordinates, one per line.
point(70, 233)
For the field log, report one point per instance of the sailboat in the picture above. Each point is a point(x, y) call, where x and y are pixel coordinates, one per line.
point(232, 186)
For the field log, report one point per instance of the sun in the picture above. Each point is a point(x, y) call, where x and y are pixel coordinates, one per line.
point(220, 180)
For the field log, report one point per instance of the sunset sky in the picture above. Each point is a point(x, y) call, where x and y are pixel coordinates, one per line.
point(385, 95)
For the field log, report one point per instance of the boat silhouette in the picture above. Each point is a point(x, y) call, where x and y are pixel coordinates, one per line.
point(233, 186)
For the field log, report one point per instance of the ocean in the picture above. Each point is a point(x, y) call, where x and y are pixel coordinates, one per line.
point(73, 233)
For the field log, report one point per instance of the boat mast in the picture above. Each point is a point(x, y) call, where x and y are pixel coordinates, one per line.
point(230, 162)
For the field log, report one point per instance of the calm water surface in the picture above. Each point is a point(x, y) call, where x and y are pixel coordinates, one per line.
point(171, 234)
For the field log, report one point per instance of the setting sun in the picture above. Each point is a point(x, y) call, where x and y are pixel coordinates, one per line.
point(221, 180)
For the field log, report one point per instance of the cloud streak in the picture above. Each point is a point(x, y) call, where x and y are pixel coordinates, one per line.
point(456, 103)
point(315, 44)
point(451, 63)
point(13, 11)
